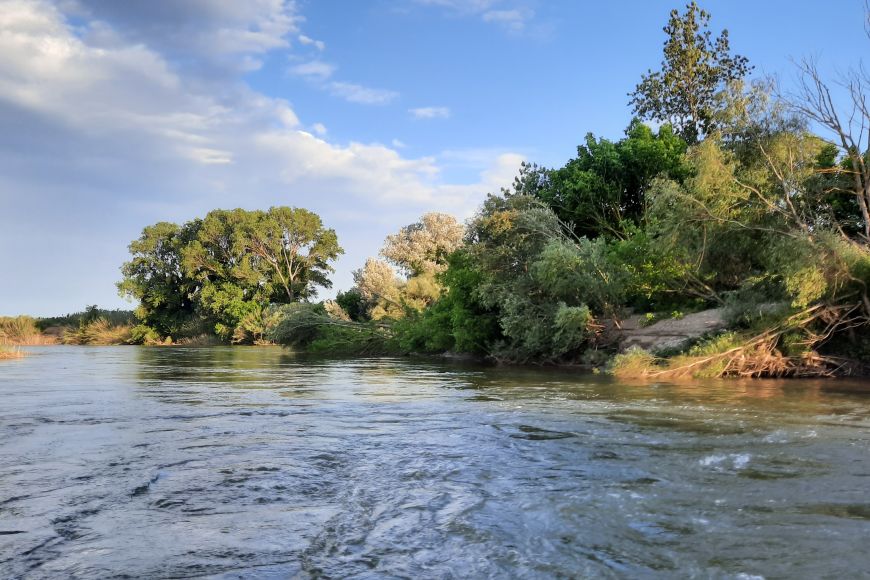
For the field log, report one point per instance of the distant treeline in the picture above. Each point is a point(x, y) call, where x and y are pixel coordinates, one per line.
point(89, 314)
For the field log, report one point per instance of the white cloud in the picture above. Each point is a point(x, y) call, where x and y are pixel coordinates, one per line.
point(512, 15)
point(105, 125)
point(398, 144)
point(318, 73)
point(470, 6)
point(319, 128)
point(318, 44)
point(314, 69)
point(355, 93)
point(513, 20)
point(213, 30)
point(430, 112)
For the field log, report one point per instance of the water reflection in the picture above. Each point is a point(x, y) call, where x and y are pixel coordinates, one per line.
point(254, 462)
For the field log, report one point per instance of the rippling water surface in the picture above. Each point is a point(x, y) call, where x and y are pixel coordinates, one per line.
point(253, 463)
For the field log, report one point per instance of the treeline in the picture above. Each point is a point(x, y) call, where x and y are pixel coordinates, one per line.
point(732, 201)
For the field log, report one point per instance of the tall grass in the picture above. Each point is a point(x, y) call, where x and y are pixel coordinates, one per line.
point(9, 353)
point(100, 332)
point(22, 330)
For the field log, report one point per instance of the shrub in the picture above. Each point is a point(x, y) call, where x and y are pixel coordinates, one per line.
point(20, 330)
point(99, 332)
point(634, 363)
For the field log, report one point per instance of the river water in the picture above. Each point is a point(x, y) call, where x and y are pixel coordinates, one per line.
point(254, 463)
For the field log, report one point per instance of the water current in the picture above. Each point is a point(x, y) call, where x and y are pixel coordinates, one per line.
point(255, 463)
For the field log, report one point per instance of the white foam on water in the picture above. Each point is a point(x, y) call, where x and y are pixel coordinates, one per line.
point(737, 460)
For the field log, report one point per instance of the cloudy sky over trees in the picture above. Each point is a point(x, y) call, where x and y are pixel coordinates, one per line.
point(117, 115)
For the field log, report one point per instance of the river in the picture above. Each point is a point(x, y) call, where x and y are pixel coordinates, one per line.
point(255, 463)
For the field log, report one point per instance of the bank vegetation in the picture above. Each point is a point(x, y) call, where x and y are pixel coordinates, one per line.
point(726, 193)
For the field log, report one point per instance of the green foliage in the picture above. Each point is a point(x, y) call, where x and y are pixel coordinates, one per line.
point(603, 190)
point(457, 321)
point(299, 325)
point(695, 70)
point(716, 344)
point(581, 272)
point(530, 273)
point(156, 277)
point(634, 363)
point(573, 325)
point(430, 331)
point(353, 303)
point(308, 327)
point(257, 325)
point(654, 276)
point(222, 272)
point(143, 334)
point(349, 341)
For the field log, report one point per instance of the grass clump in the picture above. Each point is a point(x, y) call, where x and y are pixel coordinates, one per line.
point(7, 353)
point(634, 363)
point(21, 330)
point(99, 332)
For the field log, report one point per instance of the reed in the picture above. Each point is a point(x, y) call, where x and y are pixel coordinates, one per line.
point(22, 331)
point(100, 332)
point(7, 353)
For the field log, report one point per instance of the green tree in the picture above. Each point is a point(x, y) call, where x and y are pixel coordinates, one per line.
point(227, 268)
point(603, 190)
point(156, 277)
point(294, 250)
point(695, 70)
point(540, 317)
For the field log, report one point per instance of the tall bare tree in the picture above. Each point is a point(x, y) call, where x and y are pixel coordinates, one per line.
point(842, 107)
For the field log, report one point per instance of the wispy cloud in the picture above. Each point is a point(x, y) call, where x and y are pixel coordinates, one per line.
point(512, 15)
point(430, 112)
point(513, 20)
point(356, 93)
point(319, 74)
point(308, 41)
point(313, 69)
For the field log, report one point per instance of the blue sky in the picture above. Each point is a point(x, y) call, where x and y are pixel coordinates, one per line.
point(116, 115)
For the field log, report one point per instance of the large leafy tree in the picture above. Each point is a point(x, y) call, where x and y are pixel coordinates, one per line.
point(422, 247)
point(227, 267)
point(156, 277)
point(603, 190)
point(696, 69)
point(293, 251)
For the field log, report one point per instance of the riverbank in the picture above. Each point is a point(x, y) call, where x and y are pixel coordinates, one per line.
point(7, 353)
point(703, 344)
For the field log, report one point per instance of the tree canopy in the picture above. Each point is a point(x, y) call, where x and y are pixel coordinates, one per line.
point(695, 70)
point(215, 272)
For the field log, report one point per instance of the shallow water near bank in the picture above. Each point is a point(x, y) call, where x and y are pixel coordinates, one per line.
point(255, 463)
